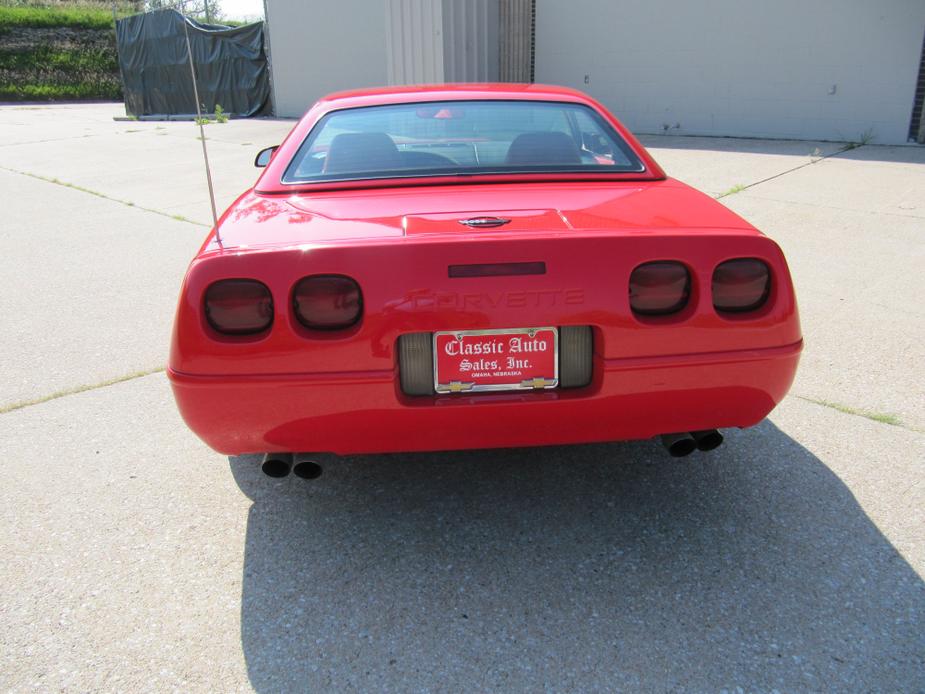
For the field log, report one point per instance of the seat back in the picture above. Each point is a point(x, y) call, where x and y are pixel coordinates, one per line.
point(354, 152)
point(543, 148)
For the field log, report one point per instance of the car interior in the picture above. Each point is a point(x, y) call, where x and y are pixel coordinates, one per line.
point(377, 151)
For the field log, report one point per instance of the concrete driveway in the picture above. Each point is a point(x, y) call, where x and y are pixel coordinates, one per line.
point(134, 558)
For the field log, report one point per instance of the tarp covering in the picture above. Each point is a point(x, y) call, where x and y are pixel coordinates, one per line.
point(231, 66)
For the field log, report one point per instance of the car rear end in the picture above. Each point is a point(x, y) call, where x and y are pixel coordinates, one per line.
point(471, 266)
point(355, 347)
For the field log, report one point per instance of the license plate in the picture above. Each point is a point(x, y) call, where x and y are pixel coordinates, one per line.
point(467, 361)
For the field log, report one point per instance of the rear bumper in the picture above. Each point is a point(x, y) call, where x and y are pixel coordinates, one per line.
point(365, 412)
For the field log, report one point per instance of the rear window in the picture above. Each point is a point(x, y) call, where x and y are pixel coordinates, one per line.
point(460, 138)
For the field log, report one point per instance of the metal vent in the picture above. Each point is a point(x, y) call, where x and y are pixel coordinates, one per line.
point(576, 350)
point(917, 124)
point(416, 363)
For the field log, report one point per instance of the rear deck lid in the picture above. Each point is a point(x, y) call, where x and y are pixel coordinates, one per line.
point(473, 211)
point(467, 222)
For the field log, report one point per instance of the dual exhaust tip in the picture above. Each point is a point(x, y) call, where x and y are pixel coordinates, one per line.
point(680, 445)
point(279, 465)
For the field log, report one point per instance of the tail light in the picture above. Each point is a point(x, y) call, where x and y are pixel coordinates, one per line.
point(239, 307)
point(741, 285)
point(659, 288)
point(327, 302)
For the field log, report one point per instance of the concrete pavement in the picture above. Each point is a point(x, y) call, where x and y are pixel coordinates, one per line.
point(792, 558)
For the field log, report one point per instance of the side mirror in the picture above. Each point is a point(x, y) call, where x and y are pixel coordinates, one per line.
point(264, 156)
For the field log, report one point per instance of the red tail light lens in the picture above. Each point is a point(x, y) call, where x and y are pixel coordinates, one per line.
point(239, 307)
point(659, 288)
point(741, 285)
point(327, 302)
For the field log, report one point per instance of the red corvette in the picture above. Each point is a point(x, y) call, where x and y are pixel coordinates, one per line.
point(475, 266)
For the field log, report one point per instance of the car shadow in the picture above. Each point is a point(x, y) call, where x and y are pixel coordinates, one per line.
point(597, 567)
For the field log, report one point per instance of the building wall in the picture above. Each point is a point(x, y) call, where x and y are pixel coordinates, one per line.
point(470, 39)
point(516, 40)
point(804, 69)
point(322, 46)
point(414, 41)
point(433, 41)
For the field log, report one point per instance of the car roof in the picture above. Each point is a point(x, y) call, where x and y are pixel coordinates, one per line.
point(450, 92)
point(270, 181)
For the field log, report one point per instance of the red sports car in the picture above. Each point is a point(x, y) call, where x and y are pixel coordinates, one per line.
point(475, 266)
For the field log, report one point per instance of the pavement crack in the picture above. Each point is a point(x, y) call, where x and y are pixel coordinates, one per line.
point(880, 417)
point(51, 139)
point(833, 207)
point(96, 193)
point(742, 187)
point(12, 407)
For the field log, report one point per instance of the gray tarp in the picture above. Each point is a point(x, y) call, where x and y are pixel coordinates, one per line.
point(231, 66)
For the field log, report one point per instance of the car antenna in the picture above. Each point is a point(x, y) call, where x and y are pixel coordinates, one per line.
point(202, 133)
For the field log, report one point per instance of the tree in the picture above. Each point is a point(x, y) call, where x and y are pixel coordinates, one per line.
point(206, 10)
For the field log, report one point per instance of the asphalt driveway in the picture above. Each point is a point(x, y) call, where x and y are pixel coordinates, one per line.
point(134, 558)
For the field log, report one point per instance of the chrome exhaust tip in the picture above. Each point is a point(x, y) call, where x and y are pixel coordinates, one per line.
point(276, 465)
point(679, 445)
point(708, 439)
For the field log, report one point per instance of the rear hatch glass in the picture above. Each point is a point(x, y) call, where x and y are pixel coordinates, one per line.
point(460, 138)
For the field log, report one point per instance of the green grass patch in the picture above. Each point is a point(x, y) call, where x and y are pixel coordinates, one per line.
point(48, 57)
point(737, 188)
point(75, 17)
point(127, 203)
point(78, 389)
point(882, 417)
point(60, 92)
point(44, 64)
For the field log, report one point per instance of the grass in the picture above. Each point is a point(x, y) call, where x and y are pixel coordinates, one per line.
point(218, 117)
point(44, 57)
point(864, 138)
point(127, 203)
point(38, 17)
point(737, 188)
point(44, 63)
point(59, 92)
point(77, 389)
point(882, 417)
